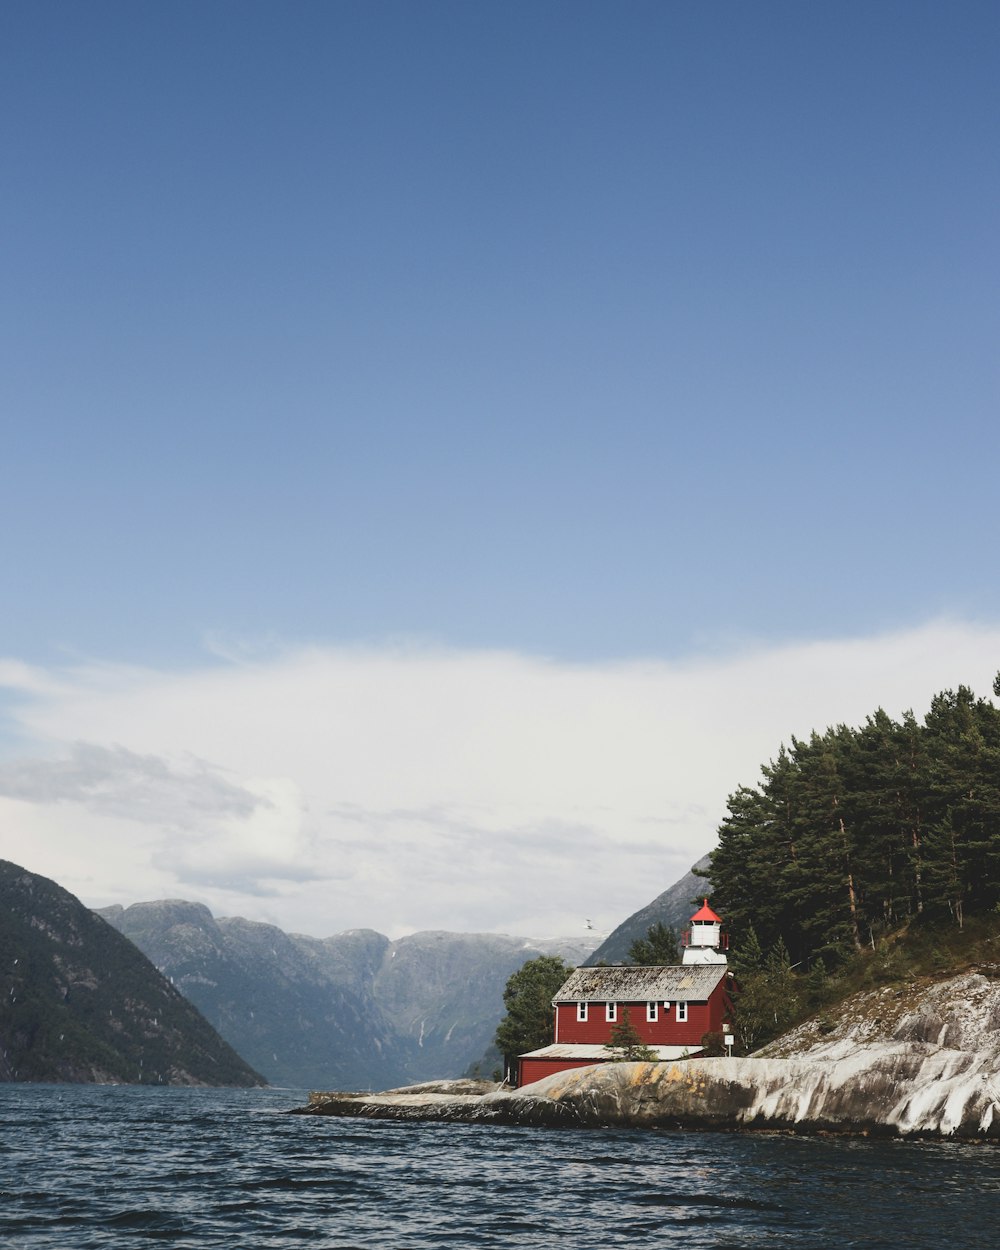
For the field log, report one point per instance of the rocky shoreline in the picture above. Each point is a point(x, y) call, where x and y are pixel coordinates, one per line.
point(923, 1061)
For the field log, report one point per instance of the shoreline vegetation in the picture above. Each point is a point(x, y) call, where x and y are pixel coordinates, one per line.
point(862, 856)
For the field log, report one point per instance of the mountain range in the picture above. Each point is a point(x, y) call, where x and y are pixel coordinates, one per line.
point(189, 998)
point(351, 1011)
point(81, 1003)
point(673, 908)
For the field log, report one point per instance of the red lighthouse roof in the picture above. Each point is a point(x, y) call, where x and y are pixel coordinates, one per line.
point(705, 913)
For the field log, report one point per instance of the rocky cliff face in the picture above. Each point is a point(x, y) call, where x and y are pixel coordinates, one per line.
point(924, 1060)
point(80, 1003)
point(444, 992)
point(354, 1010)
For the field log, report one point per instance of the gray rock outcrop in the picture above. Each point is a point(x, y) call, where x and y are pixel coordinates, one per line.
point(919, 1061)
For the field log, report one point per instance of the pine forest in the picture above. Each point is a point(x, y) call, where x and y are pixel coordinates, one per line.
point(854, 833)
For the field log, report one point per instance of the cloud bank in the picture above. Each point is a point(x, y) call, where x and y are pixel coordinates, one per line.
point(400, 788)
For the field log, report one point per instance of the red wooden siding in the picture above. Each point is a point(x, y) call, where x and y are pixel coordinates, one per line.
point(666, 1031)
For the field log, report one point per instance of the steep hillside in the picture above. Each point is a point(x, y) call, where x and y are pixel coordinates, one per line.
point(672, 908)
point(445, 991)
point(353, 1010)
point(270, 995)
point(80, 1003)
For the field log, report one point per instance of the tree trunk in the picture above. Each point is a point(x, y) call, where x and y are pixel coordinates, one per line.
point(852, 900)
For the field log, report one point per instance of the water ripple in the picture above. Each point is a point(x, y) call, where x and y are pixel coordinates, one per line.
point(116, 1168)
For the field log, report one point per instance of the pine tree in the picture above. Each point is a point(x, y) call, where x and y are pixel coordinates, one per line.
point(659, 946)
point(888, 794)
point(742, 872)
point(767, 999)
point(822, 886)
point(817, 983)
point(748, 957)
point(626, 1042)
point(962, 846)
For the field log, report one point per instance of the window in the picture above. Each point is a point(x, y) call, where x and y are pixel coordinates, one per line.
point(581, 1012)
point(682, 1013)
point(611, 1012)
point(652, 1012)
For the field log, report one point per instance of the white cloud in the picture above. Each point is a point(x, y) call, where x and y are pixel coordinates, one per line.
point(117, 782)
point(16, 675)
point(327, 788)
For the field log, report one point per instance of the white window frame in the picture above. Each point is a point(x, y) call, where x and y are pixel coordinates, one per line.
point(652, 1013)
point(682, 1013)
point(581, 1013)
point(611, 1013)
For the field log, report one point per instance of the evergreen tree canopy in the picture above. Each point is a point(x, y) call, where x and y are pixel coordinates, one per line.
point(626, 1042)
point(659, 946)
point(853, 832)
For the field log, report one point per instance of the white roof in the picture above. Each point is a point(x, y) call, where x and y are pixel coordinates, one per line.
point(598, 1054)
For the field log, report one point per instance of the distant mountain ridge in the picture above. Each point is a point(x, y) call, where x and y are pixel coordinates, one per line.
point(355, 1010)
point(351, 1011)
point(673, 908)
point(82, 1004)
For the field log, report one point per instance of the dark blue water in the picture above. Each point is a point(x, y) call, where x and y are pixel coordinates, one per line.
point(124, 1167)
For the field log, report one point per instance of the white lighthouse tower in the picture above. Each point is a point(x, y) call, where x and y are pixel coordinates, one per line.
point(704, 942)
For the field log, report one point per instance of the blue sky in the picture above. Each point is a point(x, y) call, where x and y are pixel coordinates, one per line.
point(595, 333)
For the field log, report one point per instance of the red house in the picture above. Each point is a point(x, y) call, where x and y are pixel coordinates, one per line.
point(671, 1008)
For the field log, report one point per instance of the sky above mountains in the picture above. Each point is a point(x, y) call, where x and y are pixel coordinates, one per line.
point(448, 446)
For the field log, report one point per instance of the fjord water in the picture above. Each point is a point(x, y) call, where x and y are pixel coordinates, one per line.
point(117, 1167)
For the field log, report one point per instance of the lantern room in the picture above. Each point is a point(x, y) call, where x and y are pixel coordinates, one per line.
point(704, 942)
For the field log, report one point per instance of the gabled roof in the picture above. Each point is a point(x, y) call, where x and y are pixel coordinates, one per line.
point(705, 913)
point(630, 984)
